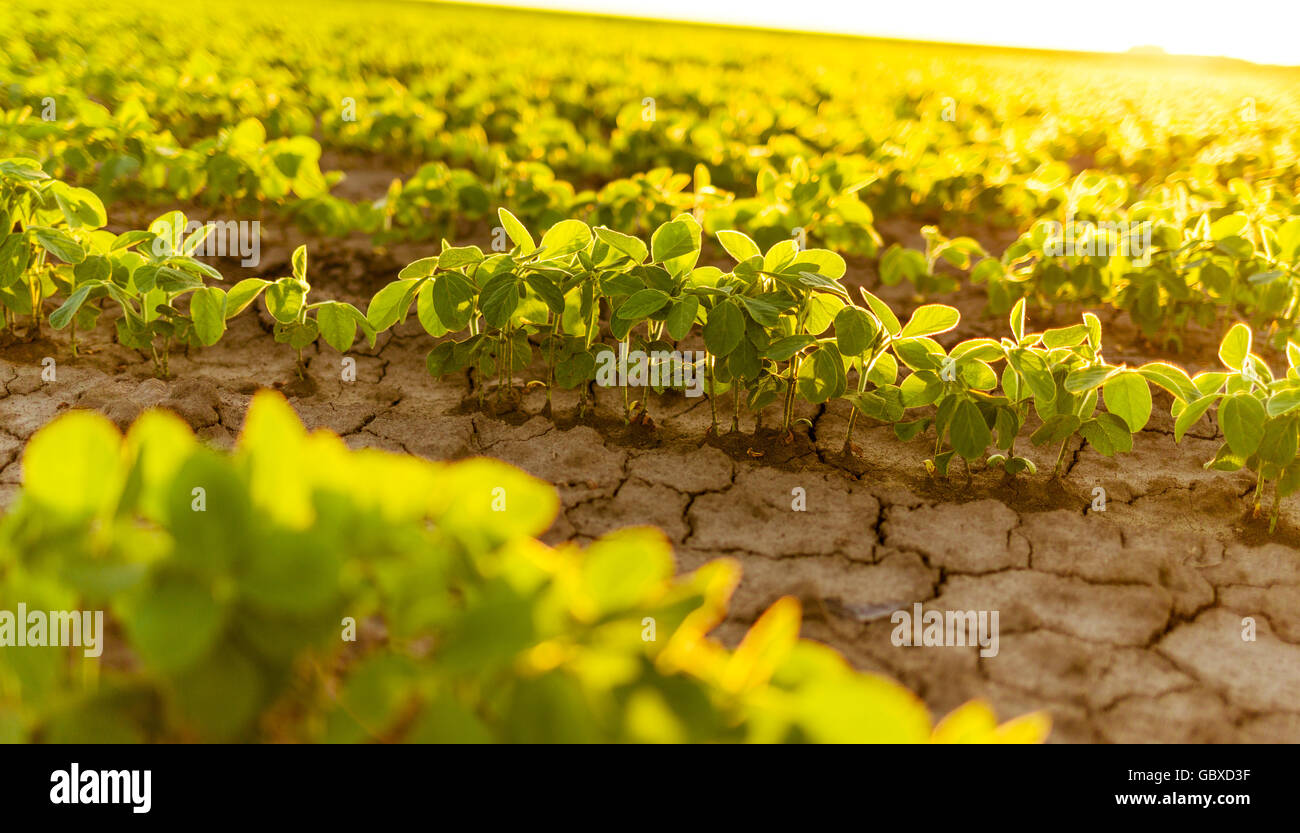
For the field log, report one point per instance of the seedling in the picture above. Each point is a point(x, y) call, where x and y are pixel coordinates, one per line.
point(145, 273)
point(1258, 414)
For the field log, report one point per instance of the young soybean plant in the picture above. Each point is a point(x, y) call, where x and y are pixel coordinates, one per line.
point(960, 384)
point(1258, 414)
point(773, 310)
point(899, 263)
point(665, 295)
point(40, 217)
point(297, 322)
point(863, 337)
point(502, 299)
point(146, 273)
point(1062, 373)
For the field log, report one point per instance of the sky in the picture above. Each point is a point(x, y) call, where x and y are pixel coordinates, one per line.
point(1262, 31)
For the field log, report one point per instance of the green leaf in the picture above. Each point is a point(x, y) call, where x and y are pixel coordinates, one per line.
point(284, 300)
point(517, 231)
point(883, 313)
point(642, 304)
point(337, 324)
point(1056, 429)
point(1108, 434)
point(453, 299)
point(1282, 402)
point(1018, 320)
point(855, 331)
point(821, 311)
point(1226, 460)
point(813, 280)
point(1032, 368)
point(780, 256)
point(73, 464)
point(1065, 336)
point(1128, 397)
point(1235, 347)
point(175, 624)
point(1279, 443)
point(565, 238)
point(1172, 378)
point(739, 246)
point(1086, 378)
point(427, 313)
point(907, 431)
point(783, 348)
point(828, 264)
point(299, 262)
point(81, 207)
point(547, 291)
point(724, 328)
point(885, 404)
point(1093, 325)
point(671, 240)
point(390, 306)
point(60, 244)
point(62, 316)
point(1228, 225)
point(499, 302)
point(968, 431)
point(422, 268)
point(455, 257)
point(208, 310)
point(242, 294)
point(931, 319)
point(743, 362)
point(1241, 417)
point(682, 317)
point(821, 375)
point(1192, 414)
point(624, 243)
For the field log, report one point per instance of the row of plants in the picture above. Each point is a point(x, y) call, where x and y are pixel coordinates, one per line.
point(779, 329)
point(293, 589)
point(953, 131)
point(1167, 268)
point(243, 172)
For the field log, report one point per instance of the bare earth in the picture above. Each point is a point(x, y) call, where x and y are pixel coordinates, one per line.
point(1126, 624)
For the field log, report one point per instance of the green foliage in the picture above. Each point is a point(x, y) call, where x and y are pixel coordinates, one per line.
point(145, 274)
point(1258, 415)
point(765, 331)
point(295, 590)
point(1164, 265)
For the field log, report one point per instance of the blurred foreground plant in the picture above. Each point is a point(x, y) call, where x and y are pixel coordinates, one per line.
point(294, 589)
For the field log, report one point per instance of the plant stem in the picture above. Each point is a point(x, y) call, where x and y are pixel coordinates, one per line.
point(550, 362)
point(627, 407)
point(848, 439)
point(862, 388)
point(713, 402)
point(789, 396)
point(1060, 458)
point(510, 365)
